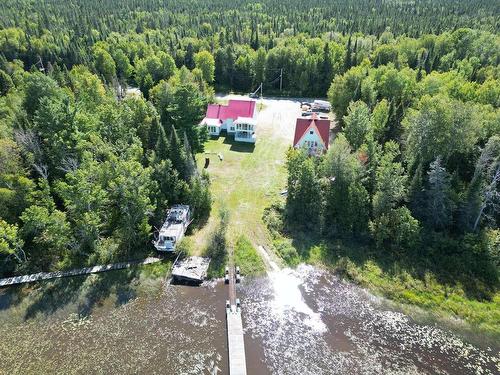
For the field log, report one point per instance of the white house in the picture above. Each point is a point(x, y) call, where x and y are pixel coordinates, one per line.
point(313, 134)
point(238, 117)
point(244, 128)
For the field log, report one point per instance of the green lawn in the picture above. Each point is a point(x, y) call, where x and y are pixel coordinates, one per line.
point(245, 182)
point(247, 257)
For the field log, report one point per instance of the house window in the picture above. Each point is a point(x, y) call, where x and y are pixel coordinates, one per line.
point(311, 132)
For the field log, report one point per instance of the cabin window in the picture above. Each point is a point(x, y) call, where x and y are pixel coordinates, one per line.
point(311, 132)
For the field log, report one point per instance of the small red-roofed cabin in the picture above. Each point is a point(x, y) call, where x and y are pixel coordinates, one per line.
point(313, 134)
point(238, 117)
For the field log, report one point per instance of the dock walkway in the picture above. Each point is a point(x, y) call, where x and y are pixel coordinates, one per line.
point(236, 344)
point(235, 341)
point(76, 272)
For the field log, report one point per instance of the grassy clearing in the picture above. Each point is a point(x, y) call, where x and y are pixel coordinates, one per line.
point(247, 257)
point(245, 182)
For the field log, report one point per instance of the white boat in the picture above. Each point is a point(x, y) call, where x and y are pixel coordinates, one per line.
point(173, 229)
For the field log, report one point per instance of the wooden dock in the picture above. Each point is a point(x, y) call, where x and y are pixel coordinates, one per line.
point(76, 272)
point(235, 341)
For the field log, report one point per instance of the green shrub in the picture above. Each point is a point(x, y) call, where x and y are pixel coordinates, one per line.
point(287, 251)
point(272, 217)
point(396, 230)
point(247, 257)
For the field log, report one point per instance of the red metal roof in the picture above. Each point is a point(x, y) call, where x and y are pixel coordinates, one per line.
point(303, 124)
point(234, 109)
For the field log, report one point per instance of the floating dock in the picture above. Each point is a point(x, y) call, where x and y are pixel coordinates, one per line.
point(191, 270)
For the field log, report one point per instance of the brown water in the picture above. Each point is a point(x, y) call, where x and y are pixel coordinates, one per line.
point(180, 331)
point(307, 321)
point(302, 321)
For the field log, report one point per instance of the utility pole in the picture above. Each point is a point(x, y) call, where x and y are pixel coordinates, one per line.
point(281, 79)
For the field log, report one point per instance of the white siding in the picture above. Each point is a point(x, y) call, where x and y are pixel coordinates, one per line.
point(228, 125)
point(213, 130)
point(312, 141)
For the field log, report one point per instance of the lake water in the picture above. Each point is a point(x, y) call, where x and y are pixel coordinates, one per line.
point(302, 321)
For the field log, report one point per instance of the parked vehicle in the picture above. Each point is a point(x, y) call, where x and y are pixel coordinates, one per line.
point(321, 106)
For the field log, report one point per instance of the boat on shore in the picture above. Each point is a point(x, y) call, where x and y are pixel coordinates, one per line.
point(173, 229)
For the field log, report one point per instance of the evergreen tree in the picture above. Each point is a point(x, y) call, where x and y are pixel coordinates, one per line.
point(439, 203)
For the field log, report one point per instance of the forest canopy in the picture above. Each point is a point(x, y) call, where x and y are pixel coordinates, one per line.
point(87, 171)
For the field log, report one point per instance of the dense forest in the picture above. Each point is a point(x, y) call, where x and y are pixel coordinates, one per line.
point(414, 170)
point(86, 172)
point(250, 42)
